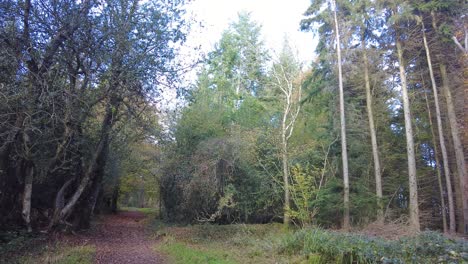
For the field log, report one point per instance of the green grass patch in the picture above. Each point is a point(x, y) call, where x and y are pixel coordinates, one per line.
point(62, 255)
point(147, 211)
point(183, 253)
point(222, 243)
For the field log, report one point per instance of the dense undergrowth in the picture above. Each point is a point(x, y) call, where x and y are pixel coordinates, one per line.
point(270, 243)
point(332, 247)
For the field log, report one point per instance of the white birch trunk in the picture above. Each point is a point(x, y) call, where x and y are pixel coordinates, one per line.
point(285, 81)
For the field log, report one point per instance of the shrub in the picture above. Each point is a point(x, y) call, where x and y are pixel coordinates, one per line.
point(428, 247)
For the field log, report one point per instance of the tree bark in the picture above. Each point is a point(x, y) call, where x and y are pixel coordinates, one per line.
point(375, 148)
point(412, 179)
point(287, 202)
point(459, 155)
point(437, 161)
point(344, 151)
point(106, 127)
point(440, 130)
point(28, 184)
point(285, 82)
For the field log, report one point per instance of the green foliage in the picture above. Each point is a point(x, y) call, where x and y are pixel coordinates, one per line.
point(138, 181)
point(428, 247)
point(217, 134)
point(303, 192)
point(181, 254)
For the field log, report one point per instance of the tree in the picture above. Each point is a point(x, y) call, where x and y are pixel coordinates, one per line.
point(441, 133)
point(238, 61)
point(285, 75)
point(454, 124)
point(330, 25)
point(344, 151)
point(398, 13)
point(79, 75)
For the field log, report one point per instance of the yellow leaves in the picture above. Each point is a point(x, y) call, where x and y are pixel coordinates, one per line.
point(304, 186)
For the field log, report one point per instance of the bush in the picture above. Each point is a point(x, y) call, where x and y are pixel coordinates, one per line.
point(428, 247)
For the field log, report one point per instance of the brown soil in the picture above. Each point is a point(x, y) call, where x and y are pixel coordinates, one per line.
point(120, 238)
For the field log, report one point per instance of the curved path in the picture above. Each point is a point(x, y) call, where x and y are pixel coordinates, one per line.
point(122, 238)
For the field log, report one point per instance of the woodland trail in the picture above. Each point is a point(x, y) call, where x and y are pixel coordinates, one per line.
point(122, 238)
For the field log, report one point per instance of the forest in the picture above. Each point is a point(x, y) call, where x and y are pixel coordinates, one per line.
point(320, 161)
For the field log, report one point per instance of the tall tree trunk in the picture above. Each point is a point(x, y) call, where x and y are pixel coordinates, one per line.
point(459, 155)
point(440, 131)
point(412, 179)
point(375, 148)
point(28, 184)
point(285, 81)
point(287, 202)
point(344, 151)
point(437, 160)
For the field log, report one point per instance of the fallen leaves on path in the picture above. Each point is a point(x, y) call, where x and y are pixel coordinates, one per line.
point(121, 238)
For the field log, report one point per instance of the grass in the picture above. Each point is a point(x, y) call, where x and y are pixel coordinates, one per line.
point(183, 253)
point(60, 254)
point(271, 243)
point(222, 243)
point(146, 211)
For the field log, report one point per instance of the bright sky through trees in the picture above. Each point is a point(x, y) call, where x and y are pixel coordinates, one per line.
point(276, 17)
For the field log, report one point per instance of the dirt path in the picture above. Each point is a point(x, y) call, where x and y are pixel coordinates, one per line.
point(122, 238)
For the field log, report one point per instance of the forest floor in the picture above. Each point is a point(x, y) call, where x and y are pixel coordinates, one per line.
point(115, 238)
point(122, 238)
point(137, 236)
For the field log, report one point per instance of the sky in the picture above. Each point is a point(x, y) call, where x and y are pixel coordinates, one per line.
point(277, 17)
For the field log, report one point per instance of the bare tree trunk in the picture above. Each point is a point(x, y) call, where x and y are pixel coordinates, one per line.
point(375, 148)
point(287, 202)
point(344, 151)
point(459, 155)
point(440, 130)
point(285, 81)
point(28, 184)
point(437, 160)
point(413, 184)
